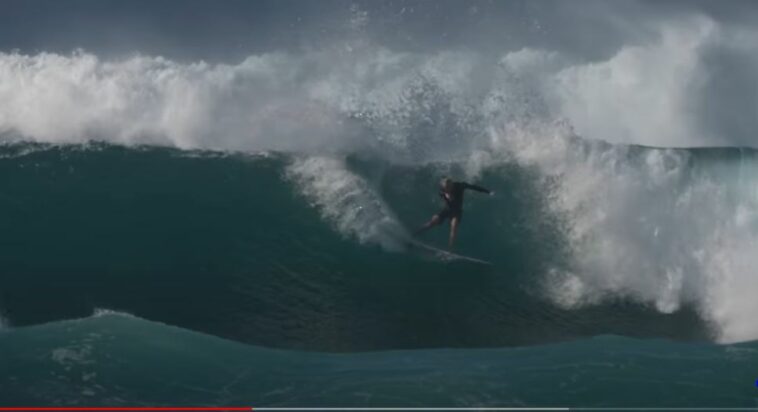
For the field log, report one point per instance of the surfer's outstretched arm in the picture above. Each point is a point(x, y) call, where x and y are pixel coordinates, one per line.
point(476, 188)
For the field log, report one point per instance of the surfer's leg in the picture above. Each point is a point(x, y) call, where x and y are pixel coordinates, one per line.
point(434, 221)
point(453, 231)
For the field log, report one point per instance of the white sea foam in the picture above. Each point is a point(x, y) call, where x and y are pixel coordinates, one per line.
point(654, 225)
point(656, 93)
point(346, 200)
point(99, 312)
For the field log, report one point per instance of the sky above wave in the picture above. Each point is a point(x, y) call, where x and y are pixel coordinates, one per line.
point(233, 29)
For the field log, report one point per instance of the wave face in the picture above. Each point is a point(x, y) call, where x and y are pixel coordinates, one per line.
point(306, 252)
point(124, 361)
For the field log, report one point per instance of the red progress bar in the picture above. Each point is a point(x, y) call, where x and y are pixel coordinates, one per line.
point(236, 408)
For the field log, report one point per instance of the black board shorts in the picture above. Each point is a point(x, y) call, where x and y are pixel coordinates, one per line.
point(448, 213)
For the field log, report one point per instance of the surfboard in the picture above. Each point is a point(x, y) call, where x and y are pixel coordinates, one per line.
point(444, 255)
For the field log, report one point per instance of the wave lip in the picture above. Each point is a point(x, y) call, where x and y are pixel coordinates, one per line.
point(658, 92)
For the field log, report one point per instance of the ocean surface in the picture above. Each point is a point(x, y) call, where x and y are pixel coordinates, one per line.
point(113, 359)
point(154, 276)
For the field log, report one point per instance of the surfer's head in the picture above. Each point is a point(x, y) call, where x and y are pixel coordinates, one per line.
point(446, 183)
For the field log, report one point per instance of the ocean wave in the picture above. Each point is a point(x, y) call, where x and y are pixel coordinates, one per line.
point(127, 360)
point(667, 229)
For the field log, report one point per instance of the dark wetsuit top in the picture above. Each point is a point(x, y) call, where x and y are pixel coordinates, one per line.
point(454, 205)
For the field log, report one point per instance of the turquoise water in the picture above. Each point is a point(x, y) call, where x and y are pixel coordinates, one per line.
point(226, 244)
point(121, 360)
point(234, 286)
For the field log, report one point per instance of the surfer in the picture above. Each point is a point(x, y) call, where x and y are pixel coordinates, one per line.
point(452, 193)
